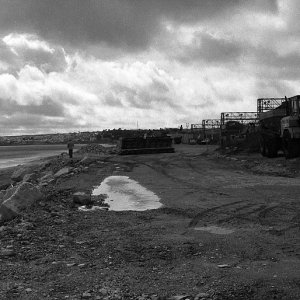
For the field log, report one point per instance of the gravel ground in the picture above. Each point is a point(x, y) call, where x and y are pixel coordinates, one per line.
point(55, 251)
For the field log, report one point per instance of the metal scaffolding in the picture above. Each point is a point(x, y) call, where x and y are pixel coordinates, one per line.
point(266, 104)
point(211, 124)
point(196, 127)
point(241, 117)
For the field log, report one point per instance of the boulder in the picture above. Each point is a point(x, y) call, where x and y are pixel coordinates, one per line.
point(6, 214)
point(9, 192)
point(32, 177)
point(48, 177)
point(62, 171)
point(5, 186)
point(2, 193)
point(19, 174)
point(18, 198)
point(201, 296)
point(82, 198)
point(86, 161)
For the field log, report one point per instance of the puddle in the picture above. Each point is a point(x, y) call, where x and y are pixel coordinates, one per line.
point(93, 208)
point(215, 229)
point(124, 193)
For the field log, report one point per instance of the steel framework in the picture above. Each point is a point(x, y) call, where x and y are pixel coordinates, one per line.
point(196, 126)
point(242, 117)
point(211, 124)
point(266, 104)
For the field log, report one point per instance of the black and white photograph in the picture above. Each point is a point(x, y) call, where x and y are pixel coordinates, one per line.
point(150, 149)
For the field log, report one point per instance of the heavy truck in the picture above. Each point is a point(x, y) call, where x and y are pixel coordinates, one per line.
point(279, 127)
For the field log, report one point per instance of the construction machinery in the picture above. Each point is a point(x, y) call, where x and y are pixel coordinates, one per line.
point(235, 126)
point(145, 145)
point(198, 133)
point(211, 129)
point(279, 126)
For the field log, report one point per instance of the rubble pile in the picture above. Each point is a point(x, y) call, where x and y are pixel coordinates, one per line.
point(97, 149)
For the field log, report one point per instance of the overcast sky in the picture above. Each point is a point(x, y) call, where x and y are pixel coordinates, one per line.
point(78, 65)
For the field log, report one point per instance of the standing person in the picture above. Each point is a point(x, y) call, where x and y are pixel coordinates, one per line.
point(70, 147)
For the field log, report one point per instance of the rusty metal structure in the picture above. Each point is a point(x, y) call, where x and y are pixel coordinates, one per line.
point(235, 126)
point(211, 123)
point(146, 145)
point(196, 127)
point(241, 117)
point(266, 104)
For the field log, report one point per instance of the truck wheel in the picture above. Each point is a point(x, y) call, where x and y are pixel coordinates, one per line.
point(262, 147)
point(290, 147)
point(271, 150)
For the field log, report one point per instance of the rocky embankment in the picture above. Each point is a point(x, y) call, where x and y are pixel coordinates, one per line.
point(27, 183)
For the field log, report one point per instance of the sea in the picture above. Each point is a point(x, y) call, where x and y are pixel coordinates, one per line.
point(11, 156)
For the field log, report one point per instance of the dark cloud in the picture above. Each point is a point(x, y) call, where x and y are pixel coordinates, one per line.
point(273, 88)
point(210, 49)
point(31, 123)
point(112, 100)
point(154, 95)
point(46, 108)
point(121, 23)
point(273, 65)
point(190, 11)
point(46, 61)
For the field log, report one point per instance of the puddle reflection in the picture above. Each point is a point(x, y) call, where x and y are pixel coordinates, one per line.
point(124, 193)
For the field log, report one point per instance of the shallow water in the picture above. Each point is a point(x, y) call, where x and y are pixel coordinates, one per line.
point(124, 193)
point(215, 229)
point(21, 154)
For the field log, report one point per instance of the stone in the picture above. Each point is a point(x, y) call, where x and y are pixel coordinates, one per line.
point(19, 174)
point(201, 296)
point(62, 171)
point(82, 198)
point(223, 266)
point(8, 193)
point(103, 291)
point(48, 176)
point(6, 214)
point(5, 186)
point(86, 160)
point(2, 193)
point(86, 295)
point(23, 196)
point(32, 177)
point(181, 297)
point(71, 265)
point(7, 252)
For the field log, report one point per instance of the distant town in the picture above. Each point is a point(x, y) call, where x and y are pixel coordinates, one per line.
point(104, 136)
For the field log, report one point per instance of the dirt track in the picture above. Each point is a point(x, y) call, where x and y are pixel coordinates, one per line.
point(161, 252)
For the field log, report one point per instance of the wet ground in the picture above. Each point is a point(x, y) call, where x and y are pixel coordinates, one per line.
point(227, 227)
point(123, 193)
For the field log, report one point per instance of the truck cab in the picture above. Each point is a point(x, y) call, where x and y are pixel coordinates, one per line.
point(291, 121)
point(280, 128)
point(290, 128)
